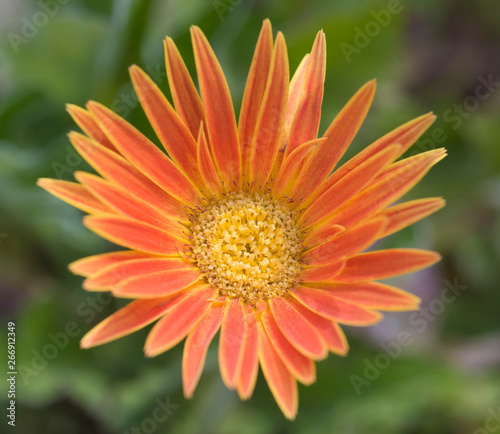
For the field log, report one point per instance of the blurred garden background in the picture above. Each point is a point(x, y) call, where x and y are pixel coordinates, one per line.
point(433, 371)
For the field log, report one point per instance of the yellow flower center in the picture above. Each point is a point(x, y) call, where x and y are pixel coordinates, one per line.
point(247, 246)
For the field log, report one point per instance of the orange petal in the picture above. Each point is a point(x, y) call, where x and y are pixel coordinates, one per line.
point(269, 128)
point(109, 276)
point(219, 112)
point(322, 303)
point(329, 330)
point(134, 316)
point(323, 273)
point(301, 367)
point(373, 295)
point(93, 264)
point(254, 92)
point(89, 126)
point(404, 214)
point(117, 170)
point(249, 368)
point(405, 136)
point(187, 102)
point(339, 135)
point(300, 333)
point(196, 346)
point(159, 284)
point(145, 156)
point(401, 177)
point(121, 200)
point(399, 167)
point(231, 342)
point(179, 320)
point(74, 194)
point(169, 127)
point(290, 167)
point(207, 168)
point(382, 264)
point(308, 113)
point(295, 96)
point(134, 235)
point(322, 235)
point(281, 382)
point(347, 243)
point(347, 187)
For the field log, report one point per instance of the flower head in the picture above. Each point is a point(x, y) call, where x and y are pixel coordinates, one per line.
point(244, 227)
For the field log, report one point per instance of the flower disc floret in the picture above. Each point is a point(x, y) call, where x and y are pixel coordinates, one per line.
point(247, 246)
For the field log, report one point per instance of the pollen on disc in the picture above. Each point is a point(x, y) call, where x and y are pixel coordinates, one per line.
point(247, 246)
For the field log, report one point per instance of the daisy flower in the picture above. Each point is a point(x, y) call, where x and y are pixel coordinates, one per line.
point(246, 226)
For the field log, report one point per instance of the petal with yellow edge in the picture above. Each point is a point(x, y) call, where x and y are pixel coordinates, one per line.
point(308, 112)
point(96, 263)
point(107, 277)
point(373, 295)
point(118, 198)
point(254, 92)
point(179, 320)
point(196, 347)
point(119, 171)
point(297, 330)
point(267, 137)
point(404, 214)
point(168, 125)
point(329, 330)
point(157, 284)
point(382, 264)
point(247, 375)
point(338, 137)
point(281, 382)
point(231, 342)
point(134, 316)
point(219, 112)
point(301, 367)
point(186, 99)
point(134, 234)
point(324, 304)
point(75, 194)
point(145, 156)
point(89, 126)
point(347, 243)
point(405, 135)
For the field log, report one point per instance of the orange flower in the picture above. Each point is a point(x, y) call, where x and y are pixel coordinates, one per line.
point(244, 227)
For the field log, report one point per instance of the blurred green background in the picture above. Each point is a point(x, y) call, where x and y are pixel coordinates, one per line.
point(426, 55)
